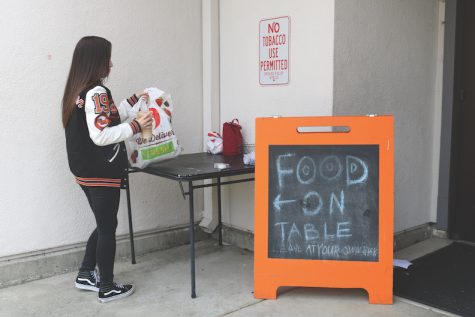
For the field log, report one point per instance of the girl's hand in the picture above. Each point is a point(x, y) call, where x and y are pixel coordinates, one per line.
point(145, 119)
point(145, 95)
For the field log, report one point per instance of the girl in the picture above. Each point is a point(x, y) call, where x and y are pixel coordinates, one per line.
point(97, 156)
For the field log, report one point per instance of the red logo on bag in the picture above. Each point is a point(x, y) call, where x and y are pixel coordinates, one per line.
point(156, 116)
point(160, 102)
point(134, 156)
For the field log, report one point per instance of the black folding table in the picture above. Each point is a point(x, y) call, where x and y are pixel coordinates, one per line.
point(189, 168)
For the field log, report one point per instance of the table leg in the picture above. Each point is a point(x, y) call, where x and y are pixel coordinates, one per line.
point(220, 226)
point(129, 212)
point(192, 238)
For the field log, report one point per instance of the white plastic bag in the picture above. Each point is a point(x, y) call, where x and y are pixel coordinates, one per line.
point(214, 144)
point(249, 158)
point(163, 144)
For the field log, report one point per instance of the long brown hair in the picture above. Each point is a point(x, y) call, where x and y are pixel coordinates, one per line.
point(90, 65)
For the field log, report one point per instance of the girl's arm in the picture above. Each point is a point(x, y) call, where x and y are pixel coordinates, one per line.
point(126, 104)
point(98, 112)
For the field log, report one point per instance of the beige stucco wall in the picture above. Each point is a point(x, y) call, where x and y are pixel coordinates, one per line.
point(386, 58)
point(386, 62)
point(347, 57)
point(309, 92)
point(155, 43)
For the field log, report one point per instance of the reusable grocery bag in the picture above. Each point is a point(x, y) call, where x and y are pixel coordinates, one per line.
point(214, 144)
point(163, 144)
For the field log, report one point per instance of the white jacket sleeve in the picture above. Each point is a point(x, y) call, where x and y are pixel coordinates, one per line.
point(125, 107)
point(99, 114)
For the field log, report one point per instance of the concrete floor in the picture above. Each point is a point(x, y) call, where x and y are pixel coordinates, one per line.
point(224, 283)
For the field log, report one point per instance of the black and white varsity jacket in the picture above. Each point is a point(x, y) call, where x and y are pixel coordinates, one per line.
point(94, 138)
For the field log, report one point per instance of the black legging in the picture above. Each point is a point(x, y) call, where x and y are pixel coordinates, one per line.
point(100, 248)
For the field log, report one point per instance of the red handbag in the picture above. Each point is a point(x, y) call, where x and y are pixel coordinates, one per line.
point(232, 138)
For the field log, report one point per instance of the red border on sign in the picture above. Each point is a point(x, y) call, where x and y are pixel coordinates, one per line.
point(259, 43)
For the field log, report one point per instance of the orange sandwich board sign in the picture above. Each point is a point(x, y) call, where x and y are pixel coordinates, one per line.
point(324, 197)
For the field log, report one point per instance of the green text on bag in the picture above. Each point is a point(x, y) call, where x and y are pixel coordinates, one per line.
point(156, 151)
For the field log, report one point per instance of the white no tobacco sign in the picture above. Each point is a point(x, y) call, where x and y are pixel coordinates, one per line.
point(274, 36)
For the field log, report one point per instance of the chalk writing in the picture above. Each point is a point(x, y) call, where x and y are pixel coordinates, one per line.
point(353, 165)
point(282, 172)
point(279, 202)
point(323, 202)
point(330, 168)
point(306, 170)
point(312, 203)
point(340, 204)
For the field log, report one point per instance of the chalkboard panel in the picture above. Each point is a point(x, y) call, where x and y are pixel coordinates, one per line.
point(323, 202)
